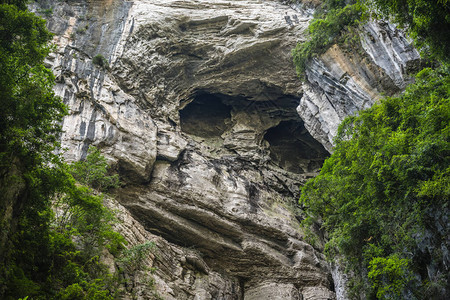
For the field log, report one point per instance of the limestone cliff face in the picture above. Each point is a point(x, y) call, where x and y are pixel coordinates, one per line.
point(343, 81)
point(202, 115)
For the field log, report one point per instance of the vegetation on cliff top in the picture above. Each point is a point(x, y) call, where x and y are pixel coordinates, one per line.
point(334, 22)
point(427, 22)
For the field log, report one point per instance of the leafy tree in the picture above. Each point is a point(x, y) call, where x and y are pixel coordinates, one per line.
point(93, 171)
point(30, 111)
point(56, 250)
point(385, 191)
point(389, 276)
point(20, 4)
point(29, 123)
point(57, 247)
point(52, 229)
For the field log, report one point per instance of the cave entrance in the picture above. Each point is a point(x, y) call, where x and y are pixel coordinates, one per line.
point(292, 147)
point(206, 116)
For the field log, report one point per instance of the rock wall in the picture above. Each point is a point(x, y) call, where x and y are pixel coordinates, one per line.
point(201, 113)
point(343, 81)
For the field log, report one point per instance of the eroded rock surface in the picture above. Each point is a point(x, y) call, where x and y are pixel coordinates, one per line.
point(201, 113)
point(342, 81)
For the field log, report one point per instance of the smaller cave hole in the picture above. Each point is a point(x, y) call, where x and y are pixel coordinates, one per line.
point(206, 116)
point(292, 148)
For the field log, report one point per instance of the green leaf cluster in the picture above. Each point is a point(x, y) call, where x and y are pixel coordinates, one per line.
point(132, 261)
point(133, 257)
point(389, 276)
point(100, 61)
point(54, 227)
point(30, 112)
point(55, 252)
point(30, 116)
point(384, 193)
point(93, 171)
point(335, 23)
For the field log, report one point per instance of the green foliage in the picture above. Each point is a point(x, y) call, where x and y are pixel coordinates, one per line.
point(30, 115)
point(426, 21)
point(100, 61)
point(133, 257)
point(53, 230)
point(389, 276)
point(47, 12)
point(20, 4)
point(335, 25)
point(93, 171)
point(93, 290)
point(387, 186)
point(56, 249)
point(30, 112)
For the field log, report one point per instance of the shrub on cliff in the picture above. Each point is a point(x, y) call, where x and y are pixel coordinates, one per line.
point(100, 61)
point(335, 25)
point(93, 171)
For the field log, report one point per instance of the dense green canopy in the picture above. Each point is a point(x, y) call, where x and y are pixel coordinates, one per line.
point(383, 195)
point(384, 192)
point(30, 112)
point(52, 229)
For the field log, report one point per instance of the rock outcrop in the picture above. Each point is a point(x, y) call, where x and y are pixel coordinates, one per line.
point(201, 113)
point(343, 81)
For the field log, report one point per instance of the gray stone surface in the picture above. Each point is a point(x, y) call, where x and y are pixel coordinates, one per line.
point(180, 273)
point(202, 115)
point(342, 82)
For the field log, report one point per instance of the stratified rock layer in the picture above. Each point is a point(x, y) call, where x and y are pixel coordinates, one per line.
point(343, 81)
point(201, 113)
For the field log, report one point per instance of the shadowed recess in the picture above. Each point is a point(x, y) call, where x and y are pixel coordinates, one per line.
point(206, 116)
point(293, 148)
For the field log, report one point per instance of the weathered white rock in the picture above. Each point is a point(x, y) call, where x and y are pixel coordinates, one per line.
point(273, 291)
point(221, 176)
point(340, 83)
point(180, 273)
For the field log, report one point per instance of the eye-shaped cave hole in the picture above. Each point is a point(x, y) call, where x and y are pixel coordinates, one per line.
point(206, 116)
point(292, 148)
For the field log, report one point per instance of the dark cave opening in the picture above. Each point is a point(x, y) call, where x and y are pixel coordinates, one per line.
point(292, 147)
point(206, 116)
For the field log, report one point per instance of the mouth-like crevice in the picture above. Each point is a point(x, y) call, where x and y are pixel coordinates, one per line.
point(292, 148)
point(206, 116)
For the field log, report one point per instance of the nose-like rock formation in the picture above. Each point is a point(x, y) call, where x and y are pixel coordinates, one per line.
point(200, 111)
